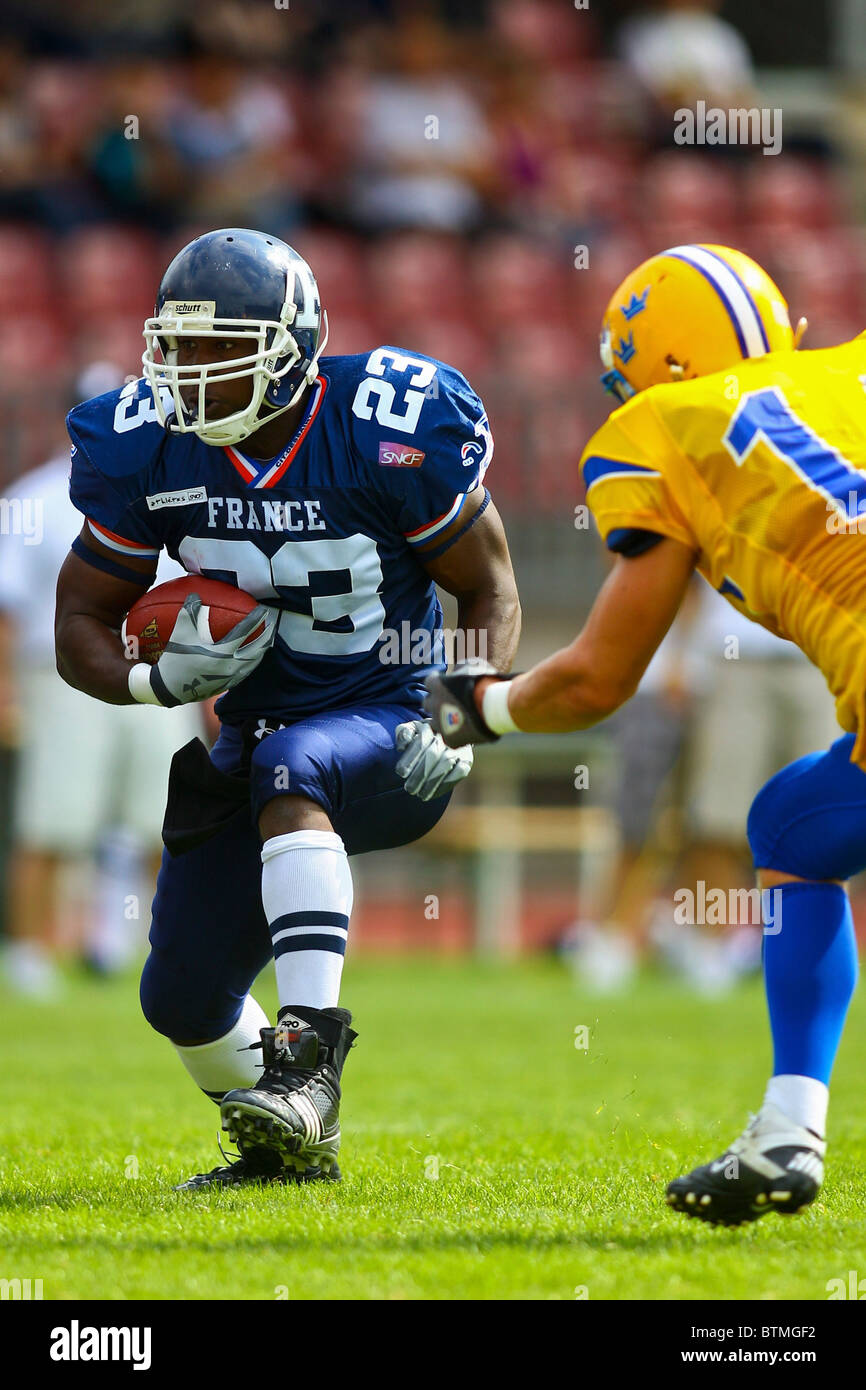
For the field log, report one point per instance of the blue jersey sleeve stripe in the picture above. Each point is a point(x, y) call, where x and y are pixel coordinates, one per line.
point(431, 528)
point(120, 543)
point(597, 467)
point(631, 540)
point(445, 545)
point(102, 562)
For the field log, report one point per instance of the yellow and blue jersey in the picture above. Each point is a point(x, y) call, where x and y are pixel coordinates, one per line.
point(761, 469)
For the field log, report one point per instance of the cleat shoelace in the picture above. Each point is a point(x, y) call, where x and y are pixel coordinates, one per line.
point(278, 1073)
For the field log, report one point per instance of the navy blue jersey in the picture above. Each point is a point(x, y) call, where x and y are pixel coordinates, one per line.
point(389, 448)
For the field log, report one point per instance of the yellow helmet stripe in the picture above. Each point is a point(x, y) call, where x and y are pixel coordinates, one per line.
point(734, 294)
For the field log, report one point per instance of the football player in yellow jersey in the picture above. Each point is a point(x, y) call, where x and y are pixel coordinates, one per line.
point(734, 453)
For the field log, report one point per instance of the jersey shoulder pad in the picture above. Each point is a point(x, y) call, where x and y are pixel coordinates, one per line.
point(420, 436)
point(632, 436)
point(624, 469)
point(411, 412)
point(118, 432)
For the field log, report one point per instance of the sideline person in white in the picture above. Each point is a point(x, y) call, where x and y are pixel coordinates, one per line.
point(91, 777)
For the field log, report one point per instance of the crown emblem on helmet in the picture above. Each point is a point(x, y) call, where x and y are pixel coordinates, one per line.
point(626, 350)
point(635, 304)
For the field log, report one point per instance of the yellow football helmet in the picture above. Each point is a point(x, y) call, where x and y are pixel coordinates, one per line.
point(689, 311)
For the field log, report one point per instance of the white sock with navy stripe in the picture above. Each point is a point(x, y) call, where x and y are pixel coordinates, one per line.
point(227, 1062)
point(307, 897)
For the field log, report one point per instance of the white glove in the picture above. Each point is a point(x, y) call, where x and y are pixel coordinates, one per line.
point(193, 666)
point(427, 767)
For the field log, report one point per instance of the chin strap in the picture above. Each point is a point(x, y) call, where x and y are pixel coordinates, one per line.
point(272, 412)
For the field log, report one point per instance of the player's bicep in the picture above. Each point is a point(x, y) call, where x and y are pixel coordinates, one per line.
point(634, 609)
point(93, 583)
point(471, 551)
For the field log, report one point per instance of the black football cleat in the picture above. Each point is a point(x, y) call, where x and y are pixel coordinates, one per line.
point(294, 1109)
point(775, 1165)
point(258, 1168)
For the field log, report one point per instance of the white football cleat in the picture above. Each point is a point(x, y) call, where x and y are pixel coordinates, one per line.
point(775, 1165)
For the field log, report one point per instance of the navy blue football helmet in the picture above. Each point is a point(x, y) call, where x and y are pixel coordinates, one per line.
point(235, 283)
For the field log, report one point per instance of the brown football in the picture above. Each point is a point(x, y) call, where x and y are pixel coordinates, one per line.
point(150, 621)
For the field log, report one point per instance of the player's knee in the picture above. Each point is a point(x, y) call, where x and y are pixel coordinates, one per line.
point(762, 828)
point(285, 814)
point(808, 821)
point(173, 1011)
point(160, 1003)
point(292, 782)
point(157, 1004)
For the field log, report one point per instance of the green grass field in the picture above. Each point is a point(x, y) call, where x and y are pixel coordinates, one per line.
point(484, 1155)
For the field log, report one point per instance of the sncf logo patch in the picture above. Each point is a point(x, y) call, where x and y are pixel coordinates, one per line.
point(393, 455)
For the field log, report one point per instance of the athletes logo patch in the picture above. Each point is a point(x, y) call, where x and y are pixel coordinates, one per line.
point(394, 455)
point(184, 498)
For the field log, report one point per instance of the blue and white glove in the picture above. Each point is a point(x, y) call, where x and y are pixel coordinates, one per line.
point(427, 767)
point(193, 666)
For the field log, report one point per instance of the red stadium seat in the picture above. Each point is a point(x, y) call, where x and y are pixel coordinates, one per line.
point(455, 341)
point(117, 340)
point(336, 262)
point(348, 333)
point(415, 274)
point(30, 345)
point(684, 198)
point(516, 281)
point(26, 277)
point(111, 270)
point(792, 194)
point(544, 353)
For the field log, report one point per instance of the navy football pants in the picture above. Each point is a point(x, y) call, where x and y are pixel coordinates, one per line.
point(209, 936)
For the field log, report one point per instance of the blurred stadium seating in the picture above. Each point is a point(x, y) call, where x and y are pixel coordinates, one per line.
point(89, 217)
point(565, 162)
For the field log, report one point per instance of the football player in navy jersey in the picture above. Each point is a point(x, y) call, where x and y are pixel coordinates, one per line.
point(335, 490)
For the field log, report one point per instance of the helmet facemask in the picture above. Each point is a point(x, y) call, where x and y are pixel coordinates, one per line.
point(274, 353)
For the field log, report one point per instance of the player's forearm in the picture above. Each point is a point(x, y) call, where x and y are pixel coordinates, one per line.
point(489, 624)
point(91, 657)
point(563, 693)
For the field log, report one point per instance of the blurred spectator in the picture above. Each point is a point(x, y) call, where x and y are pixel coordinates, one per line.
point(130, 162)
point(758, 706)
point(91, 777)
point(762, 705)
point(315, 124)
point(681, 51)
point(19, 165)
point(232, 129)
point(650, 733)
point(423, 154)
